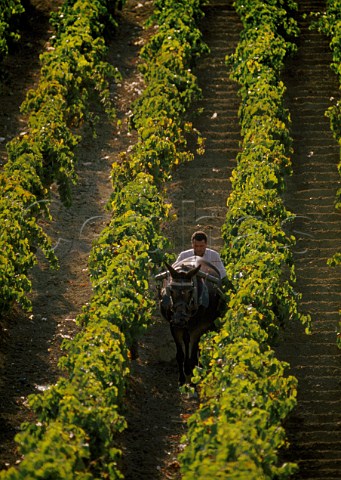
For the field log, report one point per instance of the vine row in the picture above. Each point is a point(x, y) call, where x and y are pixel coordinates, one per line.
point(9, 10)
point(330, 24)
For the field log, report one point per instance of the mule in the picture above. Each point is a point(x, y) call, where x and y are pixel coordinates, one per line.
point(190, 303)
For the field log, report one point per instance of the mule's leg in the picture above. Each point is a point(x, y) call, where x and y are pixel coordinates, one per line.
point(177, 335)
point(187, 362)
point(180, 360)
point(196, 335)
point(194, 358)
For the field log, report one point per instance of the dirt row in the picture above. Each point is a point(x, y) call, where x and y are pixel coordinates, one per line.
point(200, 188)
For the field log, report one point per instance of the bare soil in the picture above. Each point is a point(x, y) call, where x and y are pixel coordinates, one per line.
point(156, 411)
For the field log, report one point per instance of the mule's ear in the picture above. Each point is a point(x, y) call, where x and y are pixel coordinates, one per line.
point(172, 270)
point(192, 272)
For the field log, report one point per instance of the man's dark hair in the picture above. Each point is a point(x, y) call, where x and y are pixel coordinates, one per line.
point(199, 236)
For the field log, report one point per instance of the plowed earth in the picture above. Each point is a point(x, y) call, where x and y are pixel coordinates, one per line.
point(156, 412)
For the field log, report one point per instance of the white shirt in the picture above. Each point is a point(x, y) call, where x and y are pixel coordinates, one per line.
point(210, 256)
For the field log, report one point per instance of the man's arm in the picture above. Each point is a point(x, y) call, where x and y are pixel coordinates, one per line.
point(184, 255)
point(214, 258)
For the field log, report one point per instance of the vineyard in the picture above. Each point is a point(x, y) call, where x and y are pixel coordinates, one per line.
point(139, 124)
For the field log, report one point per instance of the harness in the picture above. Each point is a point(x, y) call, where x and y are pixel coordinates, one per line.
point(181, 286)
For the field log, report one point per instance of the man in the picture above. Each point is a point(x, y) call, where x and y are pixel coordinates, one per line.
point(199, 248)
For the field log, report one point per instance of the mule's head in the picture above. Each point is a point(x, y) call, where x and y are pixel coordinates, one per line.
point(182, 290)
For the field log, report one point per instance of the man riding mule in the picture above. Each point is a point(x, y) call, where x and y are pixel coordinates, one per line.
point(191, 300)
